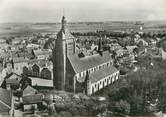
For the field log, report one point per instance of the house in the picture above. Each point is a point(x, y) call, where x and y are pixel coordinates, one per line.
point(12, 81)
point(16, 41)
point(42, 54)
point(38, 82)
point(6, 108)
point(29, 91)
point(32, 46)
point(18, 64)
point(31, 102)
point(85, 74)
point(40, 73)
point(39, 69)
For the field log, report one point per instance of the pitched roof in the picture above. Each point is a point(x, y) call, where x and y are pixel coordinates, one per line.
point(42, 63)
point(5, 100)
point(19, 59)
point(29, 91)
point(88, 62)
point(96, 76)
point(13, 78)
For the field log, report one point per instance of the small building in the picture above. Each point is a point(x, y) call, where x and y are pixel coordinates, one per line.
point(32, 46)
point(39, 71)
point(38, 82)
point(13, 81)
point(29, 91)
point(42, 54)
point(19, 63)
point(31, 102)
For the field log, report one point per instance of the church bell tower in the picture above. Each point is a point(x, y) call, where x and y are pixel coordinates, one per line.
point(59, 58)
point(64, 46)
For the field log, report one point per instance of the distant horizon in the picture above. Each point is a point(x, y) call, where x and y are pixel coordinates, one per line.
point(82, 10)
point(87, 21)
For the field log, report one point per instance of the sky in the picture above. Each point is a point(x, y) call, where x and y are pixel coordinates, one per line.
point(81, 10)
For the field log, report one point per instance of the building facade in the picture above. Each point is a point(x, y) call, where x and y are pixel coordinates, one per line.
point(87, 74)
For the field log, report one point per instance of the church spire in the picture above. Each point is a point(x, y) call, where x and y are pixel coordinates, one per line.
point(63, 22)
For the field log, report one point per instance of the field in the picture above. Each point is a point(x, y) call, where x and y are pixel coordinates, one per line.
point(7, 29)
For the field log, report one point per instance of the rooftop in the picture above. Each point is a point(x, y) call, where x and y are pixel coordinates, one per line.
point(41, 82)
point(88, 62)
point(5, 100)
point(32, 99)
point(29, 91)
point(96, 76)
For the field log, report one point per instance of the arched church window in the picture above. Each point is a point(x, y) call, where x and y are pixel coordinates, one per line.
point(25, 70)
point(36, 70)
point(46, 73)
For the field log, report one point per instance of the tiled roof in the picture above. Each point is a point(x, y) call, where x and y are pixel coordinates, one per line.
point(86, 63)
point(5, 100)
point(42, 63)
point(96, 76)
point(13, 79)
point(29, 91)
point(19, 59)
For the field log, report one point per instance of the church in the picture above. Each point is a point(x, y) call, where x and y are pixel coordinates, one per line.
point(87, 74)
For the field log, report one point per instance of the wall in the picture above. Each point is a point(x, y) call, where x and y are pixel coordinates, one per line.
point(104, 82)
point(59, 64)
point(69, 84)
